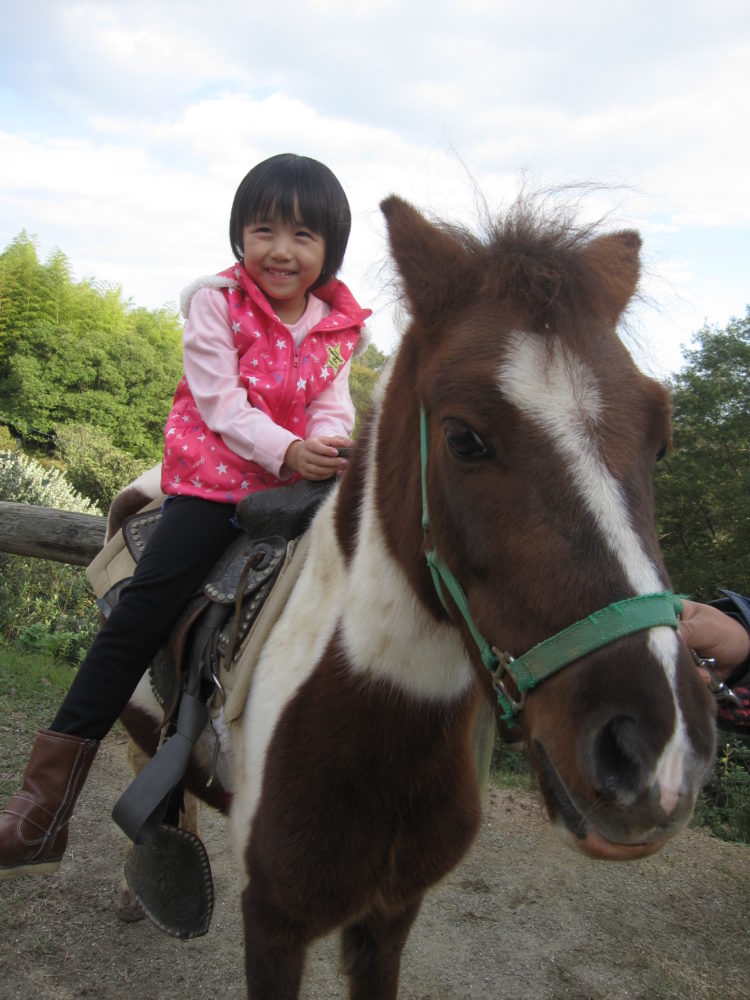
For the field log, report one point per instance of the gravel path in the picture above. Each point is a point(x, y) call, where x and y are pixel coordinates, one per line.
point(522, 917)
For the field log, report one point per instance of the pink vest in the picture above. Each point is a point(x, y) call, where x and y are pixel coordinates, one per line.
point(281, 380)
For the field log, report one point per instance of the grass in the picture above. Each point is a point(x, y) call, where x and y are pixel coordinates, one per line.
point(32, 685)
point(724, 806)
point(510, 768)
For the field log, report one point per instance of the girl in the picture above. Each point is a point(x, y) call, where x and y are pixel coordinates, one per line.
point(264, 401)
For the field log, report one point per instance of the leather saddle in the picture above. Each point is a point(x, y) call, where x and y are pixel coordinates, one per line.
point(237, 584)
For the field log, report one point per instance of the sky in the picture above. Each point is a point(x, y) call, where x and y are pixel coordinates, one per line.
point(125, 128)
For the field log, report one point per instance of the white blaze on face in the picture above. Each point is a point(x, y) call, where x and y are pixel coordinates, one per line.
point(560, 394)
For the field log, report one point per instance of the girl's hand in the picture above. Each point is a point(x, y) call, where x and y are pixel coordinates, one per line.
point(714, 635)
point(316, 458)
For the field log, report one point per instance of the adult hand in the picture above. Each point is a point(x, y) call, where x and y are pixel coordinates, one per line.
point(317, 457)
point(714, 635)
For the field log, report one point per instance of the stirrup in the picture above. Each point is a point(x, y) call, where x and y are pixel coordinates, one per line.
point(170, 876)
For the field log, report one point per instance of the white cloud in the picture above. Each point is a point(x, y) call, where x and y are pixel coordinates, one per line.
point(129, 125)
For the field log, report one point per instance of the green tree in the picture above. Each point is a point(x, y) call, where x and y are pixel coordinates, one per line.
point(703, 485)
point(76, 353)
point(366, 368)
point(21, 288)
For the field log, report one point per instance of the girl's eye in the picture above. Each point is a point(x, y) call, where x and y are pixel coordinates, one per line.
point(464, 442)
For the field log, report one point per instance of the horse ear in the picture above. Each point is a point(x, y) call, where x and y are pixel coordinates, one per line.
point(615, 260)
point(433, 263)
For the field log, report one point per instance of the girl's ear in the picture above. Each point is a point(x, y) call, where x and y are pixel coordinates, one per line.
point(434, 265)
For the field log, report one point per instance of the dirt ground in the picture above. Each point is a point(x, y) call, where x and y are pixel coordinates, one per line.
point(522, 917)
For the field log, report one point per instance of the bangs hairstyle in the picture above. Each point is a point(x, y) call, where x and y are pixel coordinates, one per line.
point(292, 186)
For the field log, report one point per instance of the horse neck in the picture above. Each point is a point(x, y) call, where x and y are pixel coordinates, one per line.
point(378, 524)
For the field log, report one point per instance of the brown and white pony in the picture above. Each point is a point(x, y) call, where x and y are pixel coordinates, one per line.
point(354, 786)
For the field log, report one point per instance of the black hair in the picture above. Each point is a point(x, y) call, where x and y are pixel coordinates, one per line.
point(289, 185)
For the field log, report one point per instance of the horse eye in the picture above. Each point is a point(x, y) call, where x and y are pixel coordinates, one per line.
point(464, 442)
point(661, 453)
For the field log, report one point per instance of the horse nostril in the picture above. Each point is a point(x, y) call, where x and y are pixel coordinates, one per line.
point(618, 758)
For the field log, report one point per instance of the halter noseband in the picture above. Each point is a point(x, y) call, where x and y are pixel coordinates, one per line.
point(634, 614)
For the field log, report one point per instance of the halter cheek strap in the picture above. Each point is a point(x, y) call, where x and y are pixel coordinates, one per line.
point(634, 614)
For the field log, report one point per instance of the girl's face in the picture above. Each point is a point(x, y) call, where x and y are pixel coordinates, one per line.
point(284, 259)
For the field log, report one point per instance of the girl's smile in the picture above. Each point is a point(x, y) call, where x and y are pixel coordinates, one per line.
point(284, 258)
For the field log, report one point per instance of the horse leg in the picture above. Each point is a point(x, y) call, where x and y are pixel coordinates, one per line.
point(371, 951)
point(126, 906)
point(274, 948)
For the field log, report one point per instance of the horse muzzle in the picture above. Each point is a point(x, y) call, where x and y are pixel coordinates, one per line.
point(617, 821)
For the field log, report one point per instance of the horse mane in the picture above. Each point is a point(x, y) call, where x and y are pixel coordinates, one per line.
point(556, 269)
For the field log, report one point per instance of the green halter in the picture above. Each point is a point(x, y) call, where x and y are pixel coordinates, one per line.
point(634, 614)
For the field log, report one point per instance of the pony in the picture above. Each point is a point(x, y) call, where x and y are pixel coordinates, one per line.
point(491, 541)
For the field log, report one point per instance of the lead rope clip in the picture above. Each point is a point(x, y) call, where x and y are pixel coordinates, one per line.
point(717, 687)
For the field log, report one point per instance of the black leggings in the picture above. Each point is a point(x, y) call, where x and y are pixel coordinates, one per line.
point(189, 538)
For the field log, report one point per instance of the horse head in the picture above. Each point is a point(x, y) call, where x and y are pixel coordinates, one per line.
point(539, 436)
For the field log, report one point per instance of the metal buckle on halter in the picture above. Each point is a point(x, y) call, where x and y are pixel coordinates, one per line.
point(717, 687)
point(504, 661)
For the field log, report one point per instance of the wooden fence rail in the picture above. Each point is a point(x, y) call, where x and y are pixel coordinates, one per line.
point(45, 533)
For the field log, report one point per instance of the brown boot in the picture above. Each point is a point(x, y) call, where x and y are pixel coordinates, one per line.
point(34, 824)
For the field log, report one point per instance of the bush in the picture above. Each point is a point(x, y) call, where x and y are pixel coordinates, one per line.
point(724, 805)
point(94, 466)
point(44, 605)
point(7, 441)
point(23, 480)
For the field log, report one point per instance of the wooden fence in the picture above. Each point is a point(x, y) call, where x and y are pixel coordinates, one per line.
point(45, 533)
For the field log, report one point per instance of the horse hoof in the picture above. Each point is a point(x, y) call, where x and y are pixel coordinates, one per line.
point(126, 906)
